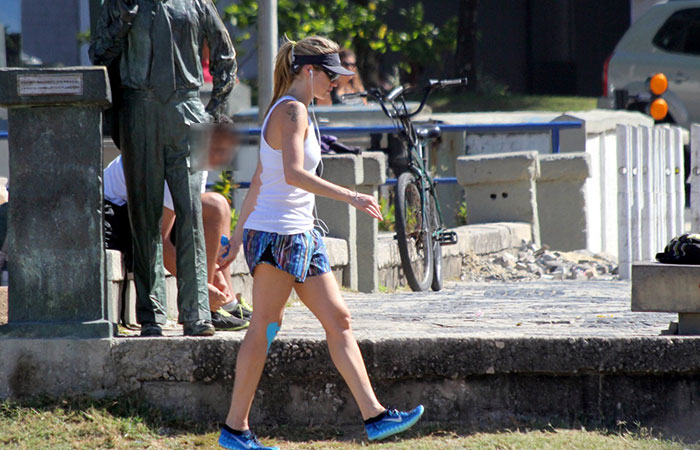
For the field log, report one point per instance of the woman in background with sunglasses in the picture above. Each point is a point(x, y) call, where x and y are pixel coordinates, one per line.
point(347, 84)
point(285, 252)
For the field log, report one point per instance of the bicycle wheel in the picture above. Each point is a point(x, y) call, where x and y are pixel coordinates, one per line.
point(413, 233)
point(435, 224)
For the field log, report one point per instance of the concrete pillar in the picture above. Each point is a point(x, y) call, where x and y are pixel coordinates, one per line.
point(443, 155)
point(267, 50)
point(341, 217)
point(55, 235)
point(373, 175)
point(501, 188)
point(562, 201)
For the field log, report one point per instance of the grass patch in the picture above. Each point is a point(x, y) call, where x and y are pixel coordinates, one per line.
point(129, 424)
point(456, 101)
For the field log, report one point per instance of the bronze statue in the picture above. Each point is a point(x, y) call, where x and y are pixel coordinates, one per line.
point(157, 44)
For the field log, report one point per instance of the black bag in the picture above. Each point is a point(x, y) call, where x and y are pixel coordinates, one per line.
point(684, 249)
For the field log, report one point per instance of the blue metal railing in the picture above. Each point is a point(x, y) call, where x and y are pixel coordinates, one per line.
point(529, 127)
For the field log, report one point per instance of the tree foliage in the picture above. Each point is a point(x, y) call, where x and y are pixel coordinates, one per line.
point(370, 27)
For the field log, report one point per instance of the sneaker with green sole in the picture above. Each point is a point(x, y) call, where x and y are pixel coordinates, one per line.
point(224, 321)
point(240, 309)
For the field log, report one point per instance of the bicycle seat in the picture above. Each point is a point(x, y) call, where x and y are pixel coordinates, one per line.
point(428, 131)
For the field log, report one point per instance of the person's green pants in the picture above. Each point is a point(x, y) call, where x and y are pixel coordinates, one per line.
point(155, 147)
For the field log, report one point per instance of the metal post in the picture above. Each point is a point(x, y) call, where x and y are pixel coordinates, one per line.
point(679, 180)
point(635, 156)
point(624, 182)
point(648, 217)
point(670, 187)
point(267, 50)
point(694, 177)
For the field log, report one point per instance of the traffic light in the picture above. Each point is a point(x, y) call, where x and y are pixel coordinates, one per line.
point(658, 108)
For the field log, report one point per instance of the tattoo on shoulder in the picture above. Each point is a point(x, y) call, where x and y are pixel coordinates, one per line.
point(292, 113)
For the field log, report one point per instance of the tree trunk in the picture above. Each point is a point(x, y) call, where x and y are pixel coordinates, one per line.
point(465, 59)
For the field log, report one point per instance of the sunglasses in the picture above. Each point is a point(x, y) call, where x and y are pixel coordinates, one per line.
point(331, 75)
point(349, 65)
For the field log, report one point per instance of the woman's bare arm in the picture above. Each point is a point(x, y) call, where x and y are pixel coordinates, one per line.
point(292, 121)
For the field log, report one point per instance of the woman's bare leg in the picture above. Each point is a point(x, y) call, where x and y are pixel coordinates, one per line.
point(322, 296)
point(271, 289)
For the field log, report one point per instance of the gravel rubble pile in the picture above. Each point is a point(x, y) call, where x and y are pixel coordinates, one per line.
point(532, 263)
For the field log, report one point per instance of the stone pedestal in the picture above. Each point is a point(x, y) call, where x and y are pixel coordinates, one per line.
point(56, 268)
point(373, 175)
point(341, 217)
point(501, 188)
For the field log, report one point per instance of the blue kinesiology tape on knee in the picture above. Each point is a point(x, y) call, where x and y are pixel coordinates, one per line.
point(272, 330)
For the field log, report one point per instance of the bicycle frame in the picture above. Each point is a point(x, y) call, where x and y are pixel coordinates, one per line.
point(394, 107)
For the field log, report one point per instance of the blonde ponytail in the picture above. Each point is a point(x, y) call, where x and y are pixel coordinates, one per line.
point(284, 75)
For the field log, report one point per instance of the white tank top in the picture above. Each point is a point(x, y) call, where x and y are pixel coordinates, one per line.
point(282, 208)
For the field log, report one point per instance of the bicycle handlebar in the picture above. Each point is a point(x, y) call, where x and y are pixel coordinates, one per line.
point(398, 91)
point(448, 83)
point(432, 84)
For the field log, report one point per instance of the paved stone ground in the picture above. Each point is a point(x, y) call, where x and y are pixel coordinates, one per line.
point(596, 308)
point(551, 308)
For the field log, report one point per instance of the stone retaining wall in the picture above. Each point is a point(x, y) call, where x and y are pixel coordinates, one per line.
point(487, 383)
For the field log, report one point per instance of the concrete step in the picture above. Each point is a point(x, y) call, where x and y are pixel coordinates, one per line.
point(485, 383)
point(486, 355)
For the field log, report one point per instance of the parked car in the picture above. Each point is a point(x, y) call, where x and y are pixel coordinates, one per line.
point(666, 39)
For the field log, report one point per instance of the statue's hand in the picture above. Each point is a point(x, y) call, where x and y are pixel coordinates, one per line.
point(215, 108)
point(128, 10)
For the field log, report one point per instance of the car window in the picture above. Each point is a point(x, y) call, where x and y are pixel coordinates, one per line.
point(681, 32)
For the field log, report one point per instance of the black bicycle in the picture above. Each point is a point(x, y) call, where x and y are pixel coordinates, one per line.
point(419, 225)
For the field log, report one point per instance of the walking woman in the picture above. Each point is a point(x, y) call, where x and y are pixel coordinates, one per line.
point(282, 249)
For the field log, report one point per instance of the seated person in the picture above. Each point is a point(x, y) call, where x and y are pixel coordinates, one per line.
point(346, 84)
point(216, 220)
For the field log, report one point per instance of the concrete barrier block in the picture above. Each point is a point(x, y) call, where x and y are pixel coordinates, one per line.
point(564, 166)
point(501, 188)
point(443, 155)
point(337, 251)
point(561, 200)
point(665, 288)
point(345, 170)
point(340, 217)
point(373, 168)
point(499, 168)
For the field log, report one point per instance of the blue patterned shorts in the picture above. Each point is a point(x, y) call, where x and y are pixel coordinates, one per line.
point(301, 255)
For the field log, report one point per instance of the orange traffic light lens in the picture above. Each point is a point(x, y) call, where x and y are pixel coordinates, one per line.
point(658, 84)
point(658, 109)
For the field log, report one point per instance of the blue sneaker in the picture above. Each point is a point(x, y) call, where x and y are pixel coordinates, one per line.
point(392, 422)
point(245, 441)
